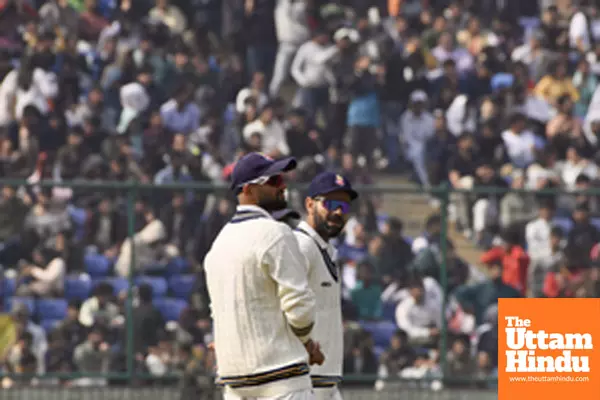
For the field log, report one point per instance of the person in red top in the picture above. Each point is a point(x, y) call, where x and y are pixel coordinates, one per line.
point(572, 278)
point(514, 259)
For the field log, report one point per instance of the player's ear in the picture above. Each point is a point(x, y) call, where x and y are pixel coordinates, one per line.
point(308, 203)
point(246, 190)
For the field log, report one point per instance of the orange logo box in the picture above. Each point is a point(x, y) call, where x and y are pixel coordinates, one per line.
point(548, 349)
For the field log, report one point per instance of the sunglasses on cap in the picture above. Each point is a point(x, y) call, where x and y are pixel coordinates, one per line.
point(275, 181)
point(334, 205)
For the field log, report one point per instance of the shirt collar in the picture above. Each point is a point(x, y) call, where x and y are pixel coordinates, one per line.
point(252, 208)
point(313, 234)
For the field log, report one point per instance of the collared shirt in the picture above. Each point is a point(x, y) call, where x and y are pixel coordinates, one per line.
point(416, 130)
point(185, 121)
point(261, 301)
point(325, 281)
point(521, 147)
point(537, 235)
point(417, 319)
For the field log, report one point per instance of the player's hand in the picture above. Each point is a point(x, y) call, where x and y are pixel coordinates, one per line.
point(314, 352)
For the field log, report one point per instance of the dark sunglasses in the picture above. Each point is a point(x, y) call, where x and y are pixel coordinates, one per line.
point(334, 205)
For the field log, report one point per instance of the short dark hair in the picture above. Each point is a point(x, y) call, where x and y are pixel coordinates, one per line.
point(145, 293)
point(74, 304)
point(433, 220)
point(415, 281)
point(557, 231)
point(104, 289)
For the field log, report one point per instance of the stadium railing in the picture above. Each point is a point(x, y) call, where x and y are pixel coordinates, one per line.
point(130, 385)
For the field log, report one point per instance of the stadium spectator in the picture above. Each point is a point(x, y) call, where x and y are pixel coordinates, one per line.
point(47, 275)
point(470, 94)
point(99, 309)
point(419, 315)
point(93, 355)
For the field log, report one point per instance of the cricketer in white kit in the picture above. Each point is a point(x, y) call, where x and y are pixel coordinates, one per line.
point(327, 206)
point(262, 306)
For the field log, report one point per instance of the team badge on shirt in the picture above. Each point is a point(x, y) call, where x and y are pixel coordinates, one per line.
point(339, 180)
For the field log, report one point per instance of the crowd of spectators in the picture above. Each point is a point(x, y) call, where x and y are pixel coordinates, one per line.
point(472, 94)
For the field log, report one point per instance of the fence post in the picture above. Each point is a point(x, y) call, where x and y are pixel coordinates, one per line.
point(444, 275)
point(131, 199)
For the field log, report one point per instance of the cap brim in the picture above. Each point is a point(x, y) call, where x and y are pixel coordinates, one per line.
point(351, 192)
point(279, 166)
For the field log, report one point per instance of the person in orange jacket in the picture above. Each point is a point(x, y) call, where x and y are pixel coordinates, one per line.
point(514, 259)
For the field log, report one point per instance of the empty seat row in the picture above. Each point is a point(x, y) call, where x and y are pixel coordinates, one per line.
point(381, 331)
point(51, 311)
point(99, 266)
point(41, 308)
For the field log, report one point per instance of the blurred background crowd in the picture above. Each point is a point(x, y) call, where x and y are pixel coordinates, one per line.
point(466, 93)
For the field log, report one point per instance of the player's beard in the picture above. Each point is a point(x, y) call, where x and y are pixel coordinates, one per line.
point(273, 204)
point(329, 227)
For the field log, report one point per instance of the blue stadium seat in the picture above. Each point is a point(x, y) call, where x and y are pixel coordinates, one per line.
point(49, 324)
point(97, 265)
point(9, 287)
point(382, 331)
point(9, 304)
point(159, 285)
point(596, 223)
point(382, 219)
point(78, 217)
point(378, 350)
point(564, 223)
point(170, 308)
point(181, 286)
point(389, 311)
point(118, 284)
point(177, 266)
point(77, 288)
point(51, 309)
point(153, 269)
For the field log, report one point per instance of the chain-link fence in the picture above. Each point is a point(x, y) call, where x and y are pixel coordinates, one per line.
point(175, 393)
point(131, 193)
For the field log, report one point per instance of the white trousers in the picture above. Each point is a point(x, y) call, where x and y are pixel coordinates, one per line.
point(306, 394)
point(327, 394)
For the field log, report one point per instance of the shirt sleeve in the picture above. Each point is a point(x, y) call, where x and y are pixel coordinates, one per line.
point(404, 323)
point(46, 82)
point(86, 313)
point(288, 267)
point(492, 255)
point(296, 70)
point(326, 55)
point(51, 273)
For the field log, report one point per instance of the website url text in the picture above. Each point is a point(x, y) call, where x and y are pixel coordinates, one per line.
point(548, 379)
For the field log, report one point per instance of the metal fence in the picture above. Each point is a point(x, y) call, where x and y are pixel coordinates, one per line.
point(134, 190)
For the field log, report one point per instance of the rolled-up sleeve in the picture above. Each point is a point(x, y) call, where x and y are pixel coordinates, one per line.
point(403, 321)
point(288, 267)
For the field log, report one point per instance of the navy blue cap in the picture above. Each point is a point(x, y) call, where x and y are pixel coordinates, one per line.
point(328, 182)
point(255, 165)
